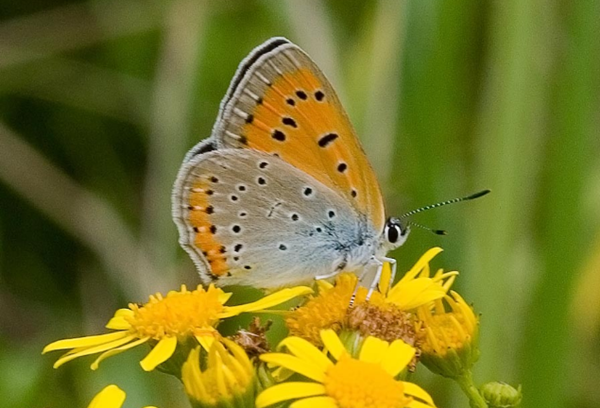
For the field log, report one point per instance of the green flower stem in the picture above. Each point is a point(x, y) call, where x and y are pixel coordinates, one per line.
point(466, 384)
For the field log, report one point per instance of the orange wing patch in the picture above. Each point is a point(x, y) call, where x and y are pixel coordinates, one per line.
point(281, 103)
point(199, 218)
point(300, 120)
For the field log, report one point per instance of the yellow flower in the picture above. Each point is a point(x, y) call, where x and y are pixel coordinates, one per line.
point(330, 308)
point(451, 336)
point(165, 321)
point(226, 380)
point(110, 397)
point(345, 382)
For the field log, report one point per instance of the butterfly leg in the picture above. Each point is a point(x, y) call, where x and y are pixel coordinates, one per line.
point(358, 282)
point(376, 279)
point(394, 265)
point(327, 276)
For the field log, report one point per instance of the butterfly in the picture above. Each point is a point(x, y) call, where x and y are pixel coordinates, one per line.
point(282, 192)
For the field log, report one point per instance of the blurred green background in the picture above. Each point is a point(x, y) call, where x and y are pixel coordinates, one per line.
point(99, 101)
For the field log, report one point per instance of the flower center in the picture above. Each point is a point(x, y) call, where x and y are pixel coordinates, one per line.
point(359, 384)
point(178, 314)
point(328, 310)
point(387, 322)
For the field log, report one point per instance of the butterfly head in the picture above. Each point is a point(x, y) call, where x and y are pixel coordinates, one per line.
point(395, 233)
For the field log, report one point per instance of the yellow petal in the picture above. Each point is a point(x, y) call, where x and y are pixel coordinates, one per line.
point(221, 295)
point(416, 293)
point(415, 391)
point(373, 350)
point(323, 285)
point(206, 341)
point(306, 351)
point(305, 368)
point(398, 355)
point(420, 265)
point(417, 404)
point(333, 343)
point(239, 354)
point(118, 323)
point(448, 282)
point(120, 320)
point(191, 377)
point(160, 353)
point(288, 391)
point(87, 341)
point(271, 300)
point(315, 402)
point(110, 397)
point(83, 351)
point(215, 360)
point(384, 279)
point(115, 351)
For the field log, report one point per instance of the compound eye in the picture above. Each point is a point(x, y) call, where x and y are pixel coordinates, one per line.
point(393, 233)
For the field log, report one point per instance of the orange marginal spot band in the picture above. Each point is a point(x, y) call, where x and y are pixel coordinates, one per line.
point(200, 220)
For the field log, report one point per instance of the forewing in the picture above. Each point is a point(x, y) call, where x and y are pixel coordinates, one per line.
point(281, 103)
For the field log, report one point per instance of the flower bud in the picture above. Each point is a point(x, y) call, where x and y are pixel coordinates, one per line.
point(501, 395)
point(450, 345)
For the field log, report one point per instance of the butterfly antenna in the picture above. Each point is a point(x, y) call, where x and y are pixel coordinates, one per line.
point(443, 203)
point(435, 231)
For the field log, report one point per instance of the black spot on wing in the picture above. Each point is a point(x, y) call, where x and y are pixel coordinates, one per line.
point(278, 135)
point(289, 122)
point(205, 147)
point(324, 141)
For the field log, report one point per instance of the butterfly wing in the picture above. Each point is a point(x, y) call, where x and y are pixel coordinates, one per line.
point(240, 210)
point(281, 103)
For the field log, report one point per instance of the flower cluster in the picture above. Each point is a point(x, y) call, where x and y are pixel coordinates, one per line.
point(347, 346)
